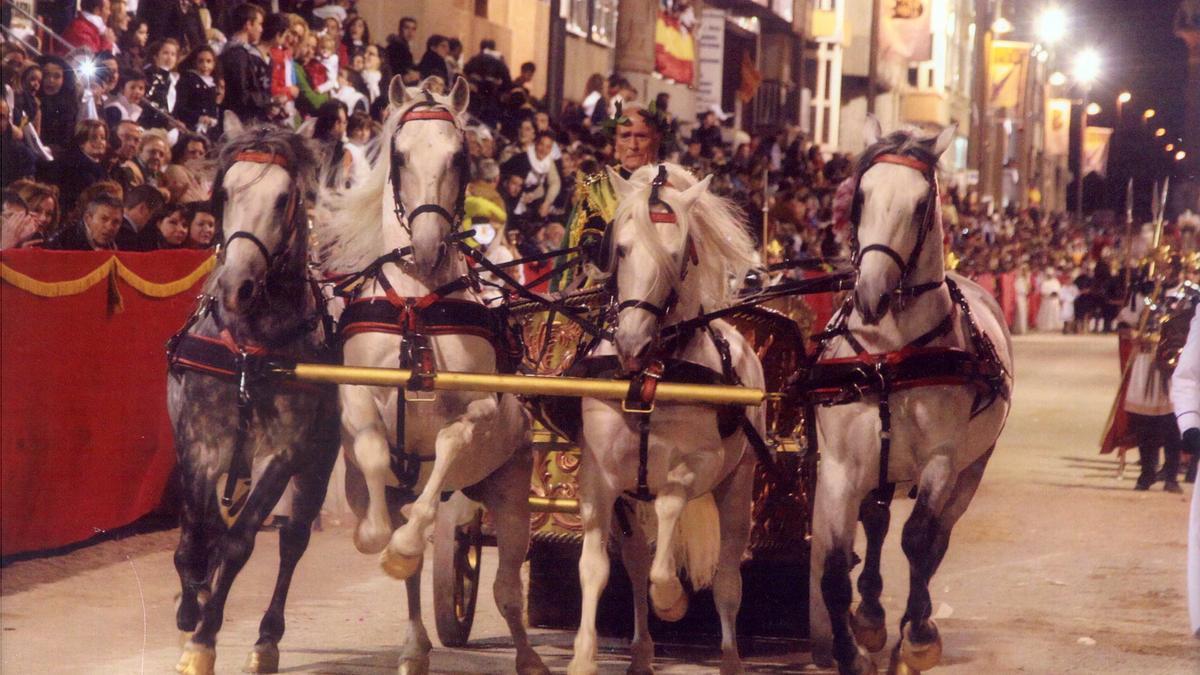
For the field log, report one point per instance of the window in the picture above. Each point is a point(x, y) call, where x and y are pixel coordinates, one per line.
point(481, 8)
point(592, 19)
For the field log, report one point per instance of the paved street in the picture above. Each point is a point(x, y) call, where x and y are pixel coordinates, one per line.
point(1058, 567)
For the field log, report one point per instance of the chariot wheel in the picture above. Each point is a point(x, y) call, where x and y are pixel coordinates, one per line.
point(457, 557)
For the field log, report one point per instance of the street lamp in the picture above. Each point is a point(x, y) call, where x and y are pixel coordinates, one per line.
point(1149, 114)
point(1052, 25)
point(1160, 132)
point(1087, 67)
point(1180, 156)
point(1057, 79)
point(1086, 70)
point(1124, 98)
point(1093, 109)
point(1170, 147)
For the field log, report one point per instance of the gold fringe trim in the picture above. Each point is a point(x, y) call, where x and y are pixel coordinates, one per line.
point(112, 267)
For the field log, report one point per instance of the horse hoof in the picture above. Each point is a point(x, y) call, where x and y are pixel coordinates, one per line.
point(669, 601)
point(574, 668)
point(197, 660)
point(731, 667)
point(263, 659)
point(921, 656)
point(899, 667)
point(638, 670)
point(869, 633)
point(414, 666)
point(369, 543)
point(399, 566)
point(532, 666)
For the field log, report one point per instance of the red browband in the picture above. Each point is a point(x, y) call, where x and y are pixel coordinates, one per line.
point(419, 115)
point(903, 160)
point(261, 157)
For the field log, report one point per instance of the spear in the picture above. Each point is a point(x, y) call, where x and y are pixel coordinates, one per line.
point(1128, 233)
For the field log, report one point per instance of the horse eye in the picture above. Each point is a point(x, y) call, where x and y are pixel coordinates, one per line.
point(621, 251)
point(281, 202)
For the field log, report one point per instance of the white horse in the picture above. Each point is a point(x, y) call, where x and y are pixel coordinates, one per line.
point(474, 441)
point(684, 253)
point(941, 435)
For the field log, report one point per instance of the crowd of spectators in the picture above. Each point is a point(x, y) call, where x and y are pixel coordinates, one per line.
point(120, 127)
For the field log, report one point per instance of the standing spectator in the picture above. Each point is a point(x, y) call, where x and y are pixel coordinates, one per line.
point(179, 20)
point(525, 77)
point(142, 204)
point(80, 166)
point(454, 60)
point(196, 95)
point(98, 229)
point(16, 159)
point(133, 46)
point(130, 104)
point(489, 78)
point(399, 47)
point(374, 74)
point(322, 69)
point(593, 96)
point(118, 20)
point(90, 27)
point(202, 225)
point(245, 68)
point(59, 102)
point(310, 99)
point(161, 78)
point(433, 63)
point(278, 38)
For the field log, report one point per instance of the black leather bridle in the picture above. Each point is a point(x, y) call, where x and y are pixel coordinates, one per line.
point(906, 265)
point(429, 110)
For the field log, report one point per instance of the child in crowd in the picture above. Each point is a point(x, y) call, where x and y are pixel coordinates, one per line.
point(196, 103)
point(161, 78)
point(322, 69)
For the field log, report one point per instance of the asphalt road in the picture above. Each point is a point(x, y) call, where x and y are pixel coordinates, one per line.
point(1058, 567)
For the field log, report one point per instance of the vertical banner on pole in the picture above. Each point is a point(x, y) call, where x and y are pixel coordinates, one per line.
point(710, 57)
point(1058, 126)
point(905, 33)
point(1095, 150)
point(1009, 68)
point(674, 47)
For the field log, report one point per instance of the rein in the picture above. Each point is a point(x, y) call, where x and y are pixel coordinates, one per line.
point(429, 110)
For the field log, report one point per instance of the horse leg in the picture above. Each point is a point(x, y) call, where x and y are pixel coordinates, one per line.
point(941, 500)
point(667, 596)
point(596, 500)
point(191, 555)
point(835, 511)
point(293, 541)
point(199, 654)
point(635, 554)
point(374, 460)
point(733, 499)
point(507, 499)
point(869, 620)
point(414, 653)
point(403, 554)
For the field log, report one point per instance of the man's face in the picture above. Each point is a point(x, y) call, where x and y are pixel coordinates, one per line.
point(513, 185)
point(442, 48)
point(636, 144)
point(139, 215)
point(104, 10)
point(408, 30)
point(129, 135)
point(102, 223)
point(254, 29)
point(154, 155)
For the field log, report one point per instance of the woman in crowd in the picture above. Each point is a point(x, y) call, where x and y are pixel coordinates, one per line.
point(374, 74)
point(173, 227)
point(59, 102)
point(80, 166)
point(356, 37)
point(133, 45)
point(189, 148)
point(161, 78)
point(26, 109)
point(202, 225)
point(41, 201)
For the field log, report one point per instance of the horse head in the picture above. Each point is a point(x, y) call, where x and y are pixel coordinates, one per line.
point(428, 165)
point(672, 248)
point(896, 221)
point(263, 179)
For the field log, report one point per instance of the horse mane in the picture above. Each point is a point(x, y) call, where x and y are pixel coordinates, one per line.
point(724, 248)
point(350, 222)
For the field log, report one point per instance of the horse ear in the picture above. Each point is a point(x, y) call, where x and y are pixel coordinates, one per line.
point(308, 128)
point(943, 140)
point(872, 131)
point(233, 124)
point(460, 95)
point(398, 93)
point(622, 187)
point(690, 195)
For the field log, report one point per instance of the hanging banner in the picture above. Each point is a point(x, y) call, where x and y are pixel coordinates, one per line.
point(1058, 126)
point(710, 58)
point(674, 46)
point(1008, 69)
point(750, 79)
point(905, 34)
point(1095, 150)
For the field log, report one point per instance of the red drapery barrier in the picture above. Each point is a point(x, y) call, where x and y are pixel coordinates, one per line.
point(86, 444)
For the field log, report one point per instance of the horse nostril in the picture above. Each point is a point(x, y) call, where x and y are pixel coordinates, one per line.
point(245, 291)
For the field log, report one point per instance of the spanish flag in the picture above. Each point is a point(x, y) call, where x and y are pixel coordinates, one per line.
point(751, 78)
point(674, 49)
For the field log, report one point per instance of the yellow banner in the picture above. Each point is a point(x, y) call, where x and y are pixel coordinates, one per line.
point(1058, 126)
point(1007, 72)
point(1095, 150)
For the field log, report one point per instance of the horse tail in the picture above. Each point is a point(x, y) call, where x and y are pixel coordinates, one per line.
point(698, 540)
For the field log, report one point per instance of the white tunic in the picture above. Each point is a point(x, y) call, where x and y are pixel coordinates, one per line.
point(1185, 393)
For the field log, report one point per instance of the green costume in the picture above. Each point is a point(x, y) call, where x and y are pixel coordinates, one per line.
point(592, 213)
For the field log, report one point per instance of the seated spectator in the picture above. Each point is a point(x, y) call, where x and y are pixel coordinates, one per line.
point(147, 165)
point(190, 148)
point(310, 99)
point(322, 68)
point(16, 159)
point(181, 185)
point(129, 137)
point(41, 201)
point(172, 228)
point(26, 108)
point(142, 205)
point(196, 94)
point(374, 74)
point(161, 78)
point(17, 226)
point(98, 229)
point(399, 51)
point(202, 225)
point(59, 103)
point(348, 93)
point(90, 29)
point(357, 36)
point(358, 129)
point(130, 104)
point(80, 166)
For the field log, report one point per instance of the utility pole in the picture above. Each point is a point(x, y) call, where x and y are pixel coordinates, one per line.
point(873, 60)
